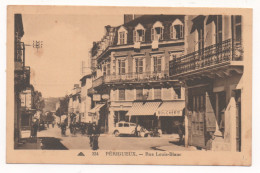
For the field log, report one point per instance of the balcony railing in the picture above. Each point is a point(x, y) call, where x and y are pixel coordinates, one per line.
point(132, 77)
point(210, 56)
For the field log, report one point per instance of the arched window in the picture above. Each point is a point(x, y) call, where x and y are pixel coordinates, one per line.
point(157, 31)
point(176, 30)
point(139, 33)
point(122, 35)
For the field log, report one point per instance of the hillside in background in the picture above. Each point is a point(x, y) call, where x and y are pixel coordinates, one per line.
point(50, 103)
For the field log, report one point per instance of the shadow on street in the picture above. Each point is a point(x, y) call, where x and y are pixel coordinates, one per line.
point(51, 143)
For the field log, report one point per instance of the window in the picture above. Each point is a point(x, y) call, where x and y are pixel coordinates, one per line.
point(201, 40)
point(157, 31)
point(120, 125)
point(218, 26)
point(108, 69)
point(138, 35)
point(121, 94)
point(237, 28)
point(139, 94)
point(176, 30)
point(139, 65)
point(157, 63)
point(126, 124)
point(121, 37)
point(132, 124)
point(121, 66)
point(157, 93)
point(104, 70)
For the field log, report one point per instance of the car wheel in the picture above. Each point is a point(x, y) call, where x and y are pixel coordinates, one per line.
point(116, 133)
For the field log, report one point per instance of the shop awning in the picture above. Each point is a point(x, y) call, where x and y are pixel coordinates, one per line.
point(174, 108)
point(143, 108)
point(96, 108)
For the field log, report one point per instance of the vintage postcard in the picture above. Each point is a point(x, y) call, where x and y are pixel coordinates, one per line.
point(129, 85)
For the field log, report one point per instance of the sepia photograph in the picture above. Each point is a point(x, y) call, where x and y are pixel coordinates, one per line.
point(118, 85)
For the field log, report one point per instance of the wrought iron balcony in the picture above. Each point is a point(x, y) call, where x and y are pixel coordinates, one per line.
point(132, 78)
point(211, 56)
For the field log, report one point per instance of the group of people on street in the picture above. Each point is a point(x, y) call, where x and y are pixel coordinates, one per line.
point(93, 130)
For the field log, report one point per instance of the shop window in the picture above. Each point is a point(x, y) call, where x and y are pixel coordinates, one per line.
point(157, 64)
point(157, 93)
point(121, 94)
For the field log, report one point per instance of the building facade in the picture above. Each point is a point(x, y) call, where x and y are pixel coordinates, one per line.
point(21, 75)
point(212, 72)
point(131, 73)
point(74, 104)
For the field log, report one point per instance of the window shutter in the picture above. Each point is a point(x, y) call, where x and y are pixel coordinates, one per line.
point(152, 35)
point(174, 32)
point(171, 32)
point(142, 35)
point(181, 31)
point(134, 34)
point(161, 33)
point(210, 115)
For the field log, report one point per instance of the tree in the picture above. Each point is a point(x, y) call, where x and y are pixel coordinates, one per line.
point(64, 104)
point(38, 101)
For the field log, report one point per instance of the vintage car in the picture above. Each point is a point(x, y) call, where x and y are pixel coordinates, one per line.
point(124, 128)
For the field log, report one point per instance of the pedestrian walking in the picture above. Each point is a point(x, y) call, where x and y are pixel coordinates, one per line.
point(64, 121)
point(181, 128)
point(94, 135)
point(34, 124)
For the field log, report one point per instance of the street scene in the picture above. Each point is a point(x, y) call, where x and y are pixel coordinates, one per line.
point(128, 82)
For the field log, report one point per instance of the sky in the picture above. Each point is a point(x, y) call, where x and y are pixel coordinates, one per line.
point(67, 39)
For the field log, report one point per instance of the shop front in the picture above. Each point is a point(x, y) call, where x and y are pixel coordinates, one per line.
point(98, 115)
point(170, 115)
point(143, 113)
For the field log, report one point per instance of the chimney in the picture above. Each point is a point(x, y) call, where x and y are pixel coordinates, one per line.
point(128, 18)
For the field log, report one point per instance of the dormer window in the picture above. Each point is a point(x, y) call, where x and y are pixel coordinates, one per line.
point(157, 31)
point(122, 35)
point(139, 33)
point(176, 30)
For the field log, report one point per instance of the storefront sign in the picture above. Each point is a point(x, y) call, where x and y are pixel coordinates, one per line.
point(105, 96)
point(96, 97)
point(169, 113)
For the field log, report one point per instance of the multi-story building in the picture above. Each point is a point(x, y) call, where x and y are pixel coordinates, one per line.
point(131, 80)
point(74, 104)
point(86, 102)
point(21, 74)
point(212, 71)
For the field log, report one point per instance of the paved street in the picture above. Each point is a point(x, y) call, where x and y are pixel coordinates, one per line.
point(52, 139)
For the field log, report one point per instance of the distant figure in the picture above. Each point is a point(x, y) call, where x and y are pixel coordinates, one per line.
point(93, 138)
point(137, 130)
point(181, 128)
point(34, 126)
point(64, 120)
